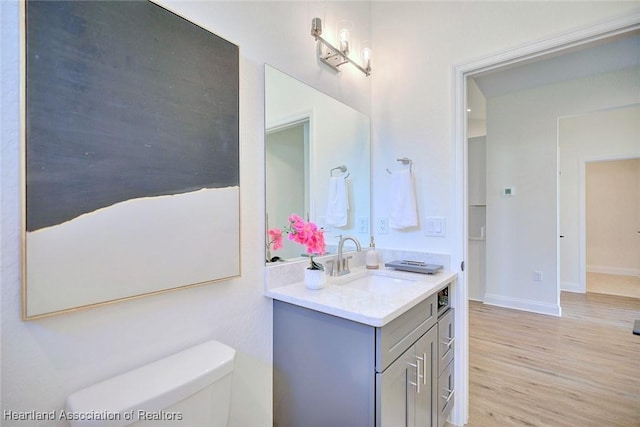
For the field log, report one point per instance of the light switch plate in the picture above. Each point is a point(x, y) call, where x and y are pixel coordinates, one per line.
point(382, 225)
point(435, 226)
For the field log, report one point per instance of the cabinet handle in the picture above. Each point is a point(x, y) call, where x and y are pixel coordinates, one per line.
point(418, 374)
point(448, 398)
point(424, 367)
point(448, 341)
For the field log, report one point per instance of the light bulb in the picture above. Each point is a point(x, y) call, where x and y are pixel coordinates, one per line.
point(344, 34)
point(366, 56)
point(344, 41)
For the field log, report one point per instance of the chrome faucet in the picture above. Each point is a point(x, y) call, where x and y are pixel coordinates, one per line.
point(341, 266)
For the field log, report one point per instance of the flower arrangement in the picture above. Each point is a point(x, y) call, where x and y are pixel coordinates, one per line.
point(300, 231)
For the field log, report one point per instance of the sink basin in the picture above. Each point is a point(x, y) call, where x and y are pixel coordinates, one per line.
point(378, 284)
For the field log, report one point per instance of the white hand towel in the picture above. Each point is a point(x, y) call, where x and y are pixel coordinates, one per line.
point(403, 212)
point(337, 202)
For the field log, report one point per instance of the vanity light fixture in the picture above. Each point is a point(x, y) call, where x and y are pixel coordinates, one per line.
point(335, 57)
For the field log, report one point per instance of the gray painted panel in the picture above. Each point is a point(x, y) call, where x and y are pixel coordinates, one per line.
point(324, 369)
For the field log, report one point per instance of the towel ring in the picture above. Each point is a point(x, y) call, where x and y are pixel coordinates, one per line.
point(341, 168)
point(405, 161)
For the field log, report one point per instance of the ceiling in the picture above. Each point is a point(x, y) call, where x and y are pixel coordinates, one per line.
point(599, 57)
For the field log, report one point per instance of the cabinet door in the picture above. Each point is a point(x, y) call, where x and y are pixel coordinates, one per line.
point(395, 393)
point(426, 357)
point(406, 389)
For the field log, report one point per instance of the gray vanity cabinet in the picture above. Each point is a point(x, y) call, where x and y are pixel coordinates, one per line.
point(330, 371)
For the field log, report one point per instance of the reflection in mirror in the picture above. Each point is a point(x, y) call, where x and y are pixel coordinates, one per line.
point(309, 136)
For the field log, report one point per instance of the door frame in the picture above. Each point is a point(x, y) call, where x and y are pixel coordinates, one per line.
point(560, 43)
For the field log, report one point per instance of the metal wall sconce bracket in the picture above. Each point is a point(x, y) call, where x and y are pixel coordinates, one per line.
point(331, 55)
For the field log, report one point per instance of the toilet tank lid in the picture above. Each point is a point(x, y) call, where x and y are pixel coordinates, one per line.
point(151, 387)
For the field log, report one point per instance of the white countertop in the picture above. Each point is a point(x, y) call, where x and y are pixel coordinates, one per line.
point(370, 308)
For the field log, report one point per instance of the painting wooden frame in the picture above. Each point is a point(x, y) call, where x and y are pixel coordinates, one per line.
point(131, 154)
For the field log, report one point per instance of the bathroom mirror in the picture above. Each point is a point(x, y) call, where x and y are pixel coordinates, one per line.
point(317, 155)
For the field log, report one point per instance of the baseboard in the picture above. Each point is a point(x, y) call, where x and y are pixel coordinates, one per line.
point(525, 305)
point(572, 287)
point(621, 271)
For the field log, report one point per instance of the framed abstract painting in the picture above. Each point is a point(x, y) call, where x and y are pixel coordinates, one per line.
point(131, 154)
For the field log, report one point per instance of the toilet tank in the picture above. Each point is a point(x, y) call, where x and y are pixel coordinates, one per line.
point(190, 388)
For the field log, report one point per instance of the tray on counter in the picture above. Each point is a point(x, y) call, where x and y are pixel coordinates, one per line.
point(414, 266)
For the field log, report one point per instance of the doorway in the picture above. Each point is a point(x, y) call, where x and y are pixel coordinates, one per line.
point(612, 207)
point(477, 191)
point(460, 253)
point(287, 170)
point(598, 137)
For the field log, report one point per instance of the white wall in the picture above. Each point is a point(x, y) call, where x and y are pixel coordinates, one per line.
point(45, 360)
point(522, 135)
point(597, 135)
point(612, 216)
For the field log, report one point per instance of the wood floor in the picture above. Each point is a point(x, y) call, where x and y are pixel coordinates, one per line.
point(578, 370)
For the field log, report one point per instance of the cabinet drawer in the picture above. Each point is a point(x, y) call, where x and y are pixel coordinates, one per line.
point(398, 335)
point(445, 394)
point(446, 340)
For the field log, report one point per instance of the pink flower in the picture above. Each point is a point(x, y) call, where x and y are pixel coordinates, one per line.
point(275, 235)
point(315, 243)
point(302, 232)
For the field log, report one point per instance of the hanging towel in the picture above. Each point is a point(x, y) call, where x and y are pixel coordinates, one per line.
point(403, 212)
point(337, 202)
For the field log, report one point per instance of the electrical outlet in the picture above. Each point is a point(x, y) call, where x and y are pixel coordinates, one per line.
point(382, 226)
point(363, 225)
point(537, 276)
